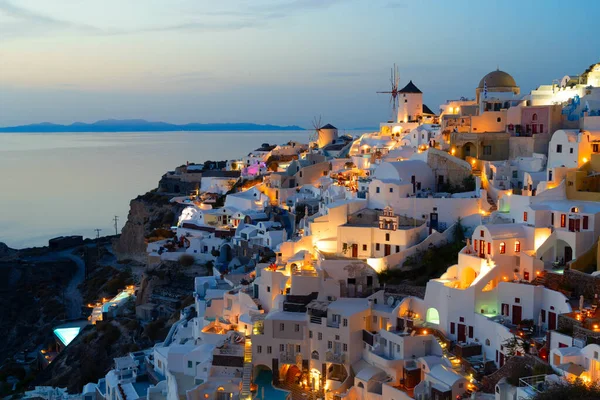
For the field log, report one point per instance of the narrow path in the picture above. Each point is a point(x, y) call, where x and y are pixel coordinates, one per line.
point(72, 295)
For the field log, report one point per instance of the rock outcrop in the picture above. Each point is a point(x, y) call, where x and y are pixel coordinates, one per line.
point(146, 213)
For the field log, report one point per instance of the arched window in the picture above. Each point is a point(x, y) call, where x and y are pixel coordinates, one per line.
point(517, 246)
point(574, 209)
point(502, 248)
point(433, 316)
point(534, 117)
point(315, 355)
point(487, 342)
point(360, 385)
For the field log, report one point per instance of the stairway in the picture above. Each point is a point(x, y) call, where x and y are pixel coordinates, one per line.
point(454, 361)
point(246, 394)
point(493, 206)
point(540, 280)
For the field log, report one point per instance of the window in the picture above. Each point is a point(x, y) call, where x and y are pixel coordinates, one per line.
point(345, 347)
point(595, 148)
point(452, 328)
point(498, 119)
point(481, 233)
point(377, 246)
point(397, 249)
point(296, 327)
point(471, 334)
point(534, 117)
point(269, 349)
point(281, 327)
point(515, 174)
point(364, 247)
point(345, 322)
point(310, 335)
point(387, 237)
point(320, 336)
point(543, 312)
point(487, 150)
point(585, 221)
point(525, 216)
point(298, 348)
point(377, 189)
point(517, 246)
point(487, 342)
point(559, 148)
point(259, 349)
point(502, 248)
point(268, 289)
point(281, 347)
point(563, 220)
point(570, 150)
point(517, 300)
point(552, 219)
point(190, 364)
point(391, 190)
point(489, 248)
point(329, 344)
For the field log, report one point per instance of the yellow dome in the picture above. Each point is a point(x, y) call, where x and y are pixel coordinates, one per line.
point(497, 79)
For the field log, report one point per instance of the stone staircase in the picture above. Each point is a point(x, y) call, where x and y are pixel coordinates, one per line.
point(493, 206)
point(246, 394)
point(454, 361)
point(540, 280)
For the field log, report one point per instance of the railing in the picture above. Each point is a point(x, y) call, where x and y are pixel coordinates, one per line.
point(333, 324)
point(537, 383)
point(315, 320)
point(335, 358)
point(286, 358)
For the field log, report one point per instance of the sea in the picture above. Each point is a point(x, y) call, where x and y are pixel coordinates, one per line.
point(54, 184)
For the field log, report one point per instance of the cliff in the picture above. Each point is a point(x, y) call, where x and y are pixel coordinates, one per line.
point(147, 213)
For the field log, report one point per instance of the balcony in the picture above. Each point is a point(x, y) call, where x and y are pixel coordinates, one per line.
point(333, 324)
point(315, 320)
point(335, 358)
point(288, 358)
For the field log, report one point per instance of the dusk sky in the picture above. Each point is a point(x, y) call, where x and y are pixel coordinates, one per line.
point(268, 61)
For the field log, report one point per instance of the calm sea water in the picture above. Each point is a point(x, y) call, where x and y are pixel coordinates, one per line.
point(55, 184)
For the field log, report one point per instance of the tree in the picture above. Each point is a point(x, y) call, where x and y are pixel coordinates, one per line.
point(187, 260)
point(577, 390)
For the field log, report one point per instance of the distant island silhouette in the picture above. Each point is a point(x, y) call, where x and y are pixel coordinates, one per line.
point(140, 125)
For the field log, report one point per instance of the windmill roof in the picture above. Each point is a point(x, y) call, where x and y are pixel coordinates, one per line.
point(410, 88)
point(328, 126)
point(427, 110)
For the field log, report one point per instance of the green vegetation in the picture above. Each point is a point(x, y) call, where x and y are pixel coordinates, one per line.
point(577, 390)
point(186, 260)
point(427, 264)
point(468, 185)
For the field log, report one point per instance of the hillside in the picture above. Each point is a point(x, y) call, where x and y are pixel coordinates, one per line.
point(140, 125)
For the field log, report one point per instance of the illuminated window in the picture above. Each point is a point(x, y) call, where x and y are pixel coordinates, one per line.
point(489, 248)
point(502, 248)
point(517, 246)
point(574, 209)
point(563, 220)
point(525, 216)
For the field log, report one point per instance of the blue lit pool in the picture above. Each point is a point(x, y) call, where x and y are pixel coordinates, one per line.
point(265, 380)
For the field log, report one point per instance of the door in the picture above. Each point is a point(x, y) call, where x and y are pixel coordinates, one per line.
point(568, 254)
point(501, 359)
point(433, 221)
point(482, 248)
point(526, 275)
point(354, 250)
point(387, 250)
point(551, 320)
point(516, 314)
point(462, 335)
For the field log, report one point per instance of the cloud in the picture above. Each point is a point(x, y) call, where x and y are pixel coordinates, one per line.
point(37, 19)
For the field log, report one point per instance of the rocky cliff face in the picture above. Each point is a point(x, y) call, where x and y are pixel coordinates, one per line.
point(146, 214)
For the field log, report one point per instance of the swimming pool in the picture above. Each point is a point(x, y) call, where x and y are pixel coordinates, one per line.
point(265, 380)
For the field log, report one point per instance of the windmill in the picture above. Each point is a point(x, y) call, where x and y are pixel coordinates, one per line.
point(316, 123)
point(395, 81)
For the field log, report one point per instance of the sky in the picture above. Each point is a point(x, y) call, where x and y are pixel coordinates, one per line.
point(273, 61)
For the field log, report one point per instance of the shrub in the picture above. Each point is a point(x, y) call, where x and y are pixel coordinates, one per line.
point(186, 260)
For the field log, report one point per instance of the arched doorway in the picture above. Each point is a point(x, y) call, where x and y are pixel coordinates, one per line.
point(293, 375)
point(467, 276)
point(469, 150)
point(432, 316)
